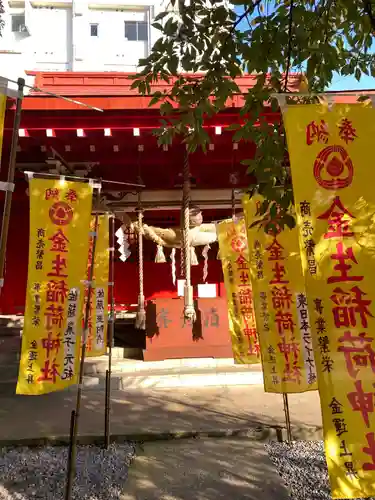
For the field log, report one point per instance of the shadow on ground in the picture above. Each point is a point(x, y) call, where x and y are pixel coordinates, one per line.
point(157, 411)
point(204, 470)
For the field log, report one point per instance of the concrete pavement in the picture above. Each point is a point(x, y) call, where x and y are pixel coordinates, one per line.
point(204, 470)
point(141, 415)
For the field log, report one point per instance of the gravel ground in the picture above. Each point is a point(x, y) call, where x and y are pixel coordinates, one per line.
point(40, 473)
point(303, 468)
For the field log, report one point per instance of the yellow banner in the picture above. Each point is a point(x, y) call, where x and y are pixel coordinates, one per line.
point(60, 214)
point(331, 160)
point(234, 254)
point(3, 100)
point(280, 305)
point(98, 320)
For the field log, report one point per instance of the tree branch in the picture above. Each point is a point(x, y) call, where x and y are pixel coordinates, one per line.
point(289, 45)
point(247, 11)
point(367, 5)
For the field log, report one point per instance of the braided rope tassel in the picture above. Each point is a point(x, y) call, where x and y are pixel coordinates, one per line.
point(140, 319)
point(189, 310)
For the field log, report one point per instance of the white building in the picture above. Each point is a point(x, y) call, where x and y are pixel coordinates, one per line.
point(76, 35)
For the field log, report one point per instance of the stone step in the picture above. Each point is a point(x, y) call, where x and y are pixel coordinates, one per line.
point(170, 377)
point(161, 379)
point(132, 374)
point(184, 378)
point(99, 365)
point(6, 332)
point(10, 344)
point(9, 358)
point(8, 388)
point(10, 368)
point(11, 322)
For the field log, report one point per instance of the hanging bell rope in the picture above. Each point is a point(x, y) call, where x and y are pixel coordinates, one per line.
point(233, 204)
point(182, 260)
point(140, 319)
point(233, 179)
point(189, 310)
point(182, 263)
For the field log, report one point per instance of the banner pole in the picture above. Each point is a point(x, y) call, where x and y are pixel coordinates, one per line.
point(10, 180)
point(111, 331)
point(73, 445)
point(70, 454)
point(287, 417)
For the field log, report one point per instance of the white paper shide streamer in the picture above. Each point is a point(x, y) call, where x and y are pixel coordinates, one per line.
point(193, 257)
point(160, 256)
point(122, 241)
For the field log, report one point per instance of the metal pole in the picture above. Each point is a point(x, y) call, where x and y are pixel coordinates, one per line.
point(70, 450)
point(72, 465)
point(111, 331)
point(10, 180)
point(287, 417)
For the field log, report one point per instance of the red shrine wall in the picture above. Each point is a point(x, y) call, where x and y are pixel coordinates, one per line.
point(158, 277)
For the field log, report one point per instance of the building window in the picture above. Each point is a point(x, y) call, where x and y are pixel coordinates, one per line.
point(18, 23)
point(136, 31)
point(94, 29)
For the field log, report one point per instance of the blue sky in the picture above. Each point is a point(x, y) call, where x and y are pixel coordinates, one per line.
point(339, 82)
point(350, 83)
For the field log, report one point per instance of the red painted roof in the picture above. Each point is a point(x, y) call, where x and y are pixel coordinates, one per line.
point(118, 84)
point(111, 90)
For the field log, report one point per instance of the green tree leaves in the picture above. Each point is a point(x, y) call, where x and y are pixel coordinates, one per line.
point(268, 39)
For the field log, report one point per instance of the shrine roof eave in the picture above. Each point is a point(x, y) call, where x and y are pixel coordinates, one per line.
point(105, 103)
point(112, 91)
point(116, 83)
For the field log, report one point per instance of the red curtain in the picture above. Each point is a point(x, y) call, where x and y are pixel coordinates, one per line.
point(157, 277)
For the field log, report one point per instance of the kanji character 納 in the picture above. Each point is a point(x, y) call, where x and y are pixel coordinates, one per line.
point(317, 132)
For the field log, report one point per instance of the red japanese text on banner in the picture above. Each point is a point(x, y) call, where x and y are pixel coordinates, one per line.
point(330, 152)
point(280, 305)
point(234, 254)
point(60, 213)
point(98, 320)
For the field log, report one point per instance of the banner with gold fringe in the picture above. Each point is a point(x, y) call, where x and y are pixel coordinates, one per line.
point(333, 179)
point(60, 214)
point(234, 254)
point(280, 304)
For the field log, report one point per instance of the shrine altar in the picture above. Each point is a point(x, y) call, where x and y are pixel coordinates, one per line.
point(168, 336)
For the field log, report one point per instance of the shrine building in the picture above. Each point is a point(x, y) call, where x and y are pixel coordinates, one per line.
point(116, 144)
